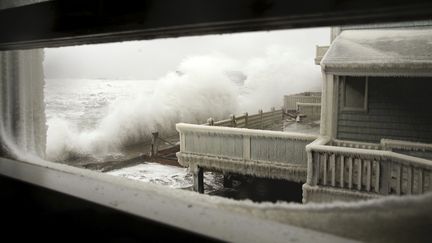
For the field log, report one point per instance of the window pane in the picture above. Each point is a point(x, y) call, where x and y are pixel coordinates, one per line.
point(355, 92)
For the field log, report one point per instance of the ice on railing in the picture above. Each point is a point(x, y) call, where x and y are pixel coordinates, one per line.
point(261, 153)
point(370, 171)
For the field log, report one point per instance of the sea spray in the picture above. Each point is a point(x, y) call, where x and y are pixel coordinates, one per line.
point(201, 87)
point(188, 95)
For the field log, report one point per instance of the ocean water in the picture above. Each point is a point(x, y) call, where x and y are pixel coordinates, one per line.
point(84, 102)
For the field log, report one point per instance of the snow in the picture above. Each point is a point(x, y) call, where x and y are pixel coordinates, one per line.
point(385, 50)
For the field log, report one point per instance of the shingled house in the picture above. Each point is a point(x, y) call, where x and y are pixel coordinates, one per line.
point(376, 120)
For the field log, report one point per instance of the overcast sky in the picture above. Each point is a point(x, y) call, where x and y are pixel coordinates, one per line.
point(153, 58)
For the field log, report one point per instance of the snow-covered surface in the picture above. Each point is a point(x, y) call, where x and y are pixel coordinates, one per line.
point(166, 175)
point(381, 51)
point(207, 215)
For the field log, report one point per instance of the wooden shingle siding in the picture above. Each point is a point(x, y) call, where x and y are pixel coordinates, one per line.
point(398, 108)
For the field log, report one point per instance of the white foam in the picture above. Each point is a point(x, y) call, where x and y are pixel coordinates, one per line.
point(200, 88)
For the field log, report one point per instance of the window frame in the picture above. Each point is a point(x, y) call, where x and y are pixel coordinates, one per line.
point(363, 109)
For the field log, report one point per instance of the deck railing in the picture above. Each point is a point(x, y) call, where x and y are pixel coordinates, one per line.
point(246, 144)
point(261, 120)
point(368, 170)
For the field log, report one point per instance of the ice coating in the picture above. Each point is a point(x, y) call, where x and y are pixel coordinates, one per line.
point(405, 49)
point(22, 115)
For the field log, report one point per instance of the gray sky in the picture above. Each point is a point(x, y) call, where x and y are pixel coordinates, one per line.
point(153, 58)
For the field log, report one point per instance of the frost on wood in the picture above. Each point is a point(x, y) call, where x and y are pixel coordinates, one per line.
point(404, 52)
point(260, 153)
point(22, 117)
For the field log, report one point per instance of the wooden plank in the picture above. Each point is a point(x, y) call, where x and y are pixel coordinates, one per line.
point(324, 169)
point(409, 180)
point(333, 169)
point(316, 166)
point(398, 168)
point(368, 175)
point(420, 181)
point(342, 163)
point(386, 177)
point(350, 172)
point(377, 176)
point(359, 174)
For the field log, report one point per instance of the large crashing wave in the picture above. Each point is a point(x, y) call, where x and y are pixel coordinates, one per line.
point(200, 88)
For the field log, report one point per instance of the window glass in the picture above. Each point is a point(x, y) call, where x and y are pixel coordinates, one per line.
point(355, 93)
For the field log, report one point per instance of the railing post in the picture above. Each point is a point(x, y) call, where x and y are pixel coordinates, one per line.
point(342, 166)
point(333, 168)
point(324, 169)
point(154, 145)
point(398, 179)
point(233, 120)
point(260, 112)
point(359, 174)
point(350, 172)
point(273, 113)
point(210, 121)
point(377, 176)
point(246, 119)
point(409, 180)
point(386, 177)
point(420, 181)
point(368, 175)
point(198, 179)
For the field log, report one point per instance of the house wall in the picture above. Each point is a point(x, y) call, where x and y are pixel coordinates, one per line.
point(397, 108)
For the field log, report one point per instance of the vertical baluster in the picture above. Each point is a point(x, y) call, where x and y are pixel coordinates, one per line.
point(420, 180)
point(359, 174)
point(333, 165)
point(409, 179)
point(324, 169)
point(316, 158)
point(386, 177)
point(350, 172)
point(368, 175)
point(342, 159)
point(398, 178)
point(377, 176)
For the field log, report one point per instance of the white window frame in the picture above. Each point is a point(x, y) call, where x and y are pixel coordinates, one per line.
point(345, 108)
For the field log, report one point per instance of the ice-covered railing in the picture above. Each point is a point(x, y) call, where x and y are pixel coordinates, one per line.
point(367, 170)
point(269, 154)
point(390, 144)
point(261, 120)
point(355, 144)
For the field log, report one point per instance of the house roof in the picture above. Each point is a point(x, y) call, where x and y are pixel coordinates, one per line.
point(382, 52)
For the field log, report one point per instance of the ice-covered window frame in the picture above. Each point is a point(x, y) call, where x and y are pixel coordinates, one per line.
point(354, 94)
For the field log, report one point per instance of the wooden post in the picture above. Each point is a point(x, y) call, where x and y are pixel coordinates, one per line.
point(154, 145)
point(198, 179)
point(260, 112)
point(246, 119)
point(210, 121)
point(233, 120)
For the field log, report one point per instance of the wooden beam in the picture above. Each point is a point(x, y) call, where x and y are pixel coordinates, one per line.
point(62, 23)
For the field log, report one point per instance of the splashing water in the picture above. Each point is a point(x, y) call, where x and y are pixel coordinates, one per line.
point(202, 86)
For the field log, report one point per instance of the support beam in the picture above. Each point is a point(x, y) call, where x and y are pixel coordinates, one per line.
point(198, 179)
